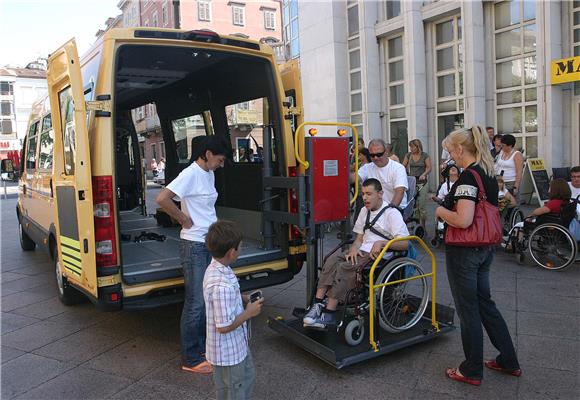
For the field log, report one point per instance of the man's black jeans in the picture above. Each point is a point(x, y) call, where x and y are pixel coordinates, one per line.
point(468, 274)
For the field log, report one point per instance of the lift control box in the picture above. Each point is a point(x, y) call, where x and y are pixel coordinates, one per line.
point(329, 178)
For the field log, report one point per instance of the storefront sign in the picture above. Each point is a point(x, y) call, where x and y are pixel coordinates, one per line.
point(8, 145)
point(565, 70)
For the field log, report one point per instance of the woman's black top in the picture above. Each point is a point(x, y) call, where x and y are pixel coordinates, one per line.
point(466, 187)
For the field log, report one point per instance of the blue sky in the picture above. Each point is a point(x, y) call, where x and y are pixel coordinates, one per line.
point(32, 28)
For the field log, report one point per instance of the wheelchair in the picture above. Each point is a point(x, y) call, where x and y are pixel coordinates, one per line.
point(547, 239)
point(510, 216)
point(399, 306)
point(409, 211)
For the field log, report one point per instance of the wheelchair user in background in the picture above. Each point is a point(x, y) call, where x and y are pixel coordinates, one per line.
point(450, 175)
point(545, 233)
point(508, 207)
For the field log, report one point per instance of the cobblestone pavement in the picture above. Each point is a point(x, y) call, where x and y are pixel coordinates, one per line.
point(50, 351)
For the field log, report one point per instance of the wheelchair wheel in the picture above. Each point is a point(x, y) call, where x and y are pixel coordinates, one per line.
point(420, 231)
point(401, 305)
point(552, 246)
point(517, 216)
point(354, 332)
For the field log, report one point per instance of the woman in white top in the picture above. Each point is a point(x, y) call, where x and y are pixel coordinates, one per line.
point(510, 164)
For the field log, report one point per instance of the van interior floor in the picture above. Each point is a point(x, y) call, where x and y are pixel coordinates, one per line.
point(151, 260)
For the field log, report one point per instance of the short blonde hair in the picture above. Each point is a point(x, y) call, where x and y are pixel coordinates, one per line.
point(474, 141)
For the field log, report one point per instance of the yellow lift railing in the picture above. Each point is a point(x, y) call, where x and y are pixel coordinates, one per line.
point(373, 287)
point(306, 164)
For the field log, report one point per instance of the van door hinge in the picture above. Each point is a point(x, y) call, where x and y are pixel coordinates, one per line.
point(102, 108)
point(294, 111)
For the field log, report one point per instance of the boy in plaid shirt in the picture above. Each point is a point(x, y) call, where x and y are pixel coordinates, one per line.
point(227, 332)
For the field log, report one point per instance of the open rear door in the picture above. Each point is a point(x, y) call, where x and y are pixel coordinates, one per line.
point(72, 169)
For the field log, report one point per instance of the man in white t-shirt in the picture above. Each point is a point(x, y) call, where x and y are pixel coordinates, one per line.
point(389, 173)
point(339, 271)
point(196, 189)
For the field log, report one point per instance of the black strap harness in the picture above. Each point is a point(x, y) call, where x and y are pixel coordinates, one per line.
point(369, 225)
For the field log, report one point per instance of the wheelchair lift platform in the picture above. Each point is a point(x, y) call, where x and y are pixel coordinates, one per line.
point(331, 347)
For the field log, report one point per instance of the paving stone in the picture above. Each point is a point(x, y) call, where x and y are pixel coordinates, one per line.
point(27, 372)
point(147, 391)
point(34, 336)
point(134, 358)
point(21, 299)
point(43, 309)
point(79, 383)
point(79, 347)
point(548, 352)
point(10, 276)
point(542, 324)
point(8, 353)
point(12, 322)
point(543, 287)
point(548, 384)
point(27, 282)
point(81, 315)
point(548, 304)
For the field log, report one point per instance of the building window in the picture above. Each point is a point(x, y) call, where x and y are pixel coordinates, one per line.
point(140, 113)
point(238, 15)
point(290, 8)
point(393, 8)
point(203, 11)
point(516, 73)
point(155, 18)
point(354, 66)
point(6, 126)
point(154, 152)
point(6, 108)
point(395, 74)
point(6, 88)
point(162, 149)
point(575, 35)
point(448, 64)
point(269, 19)
point(164, 14)
point(146, 23)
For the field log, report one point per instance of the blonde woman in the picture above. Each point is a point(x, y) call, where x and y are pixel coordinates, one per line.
point(418, 164)
point(468, 267)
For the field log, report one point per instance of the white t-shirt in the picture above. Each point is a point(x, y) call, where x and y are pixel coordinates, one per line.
point(390, 224)
point(391, 176)
point(575, 193)
point(196, 189)
point(444, 190)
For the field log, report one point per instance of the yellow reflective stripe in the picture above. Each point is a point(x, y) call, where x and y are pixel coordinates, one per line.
point(70, 252)
point(72, 261)
point(74, 271)
point(70, 242)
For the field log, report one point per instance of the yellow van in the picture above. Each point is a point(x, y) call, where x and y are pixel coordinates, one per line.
point(83, 192)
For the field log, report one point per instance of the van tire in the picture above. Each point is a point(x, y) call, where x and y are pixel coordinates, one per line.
point(26, 243)
point(67, 294)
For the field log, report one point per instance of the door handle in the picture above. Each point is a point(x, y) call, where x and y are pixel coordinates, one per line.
point(51, 190)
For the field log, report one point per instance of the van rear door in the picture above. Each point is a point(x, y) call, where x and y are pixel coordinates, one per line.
point(72, 169)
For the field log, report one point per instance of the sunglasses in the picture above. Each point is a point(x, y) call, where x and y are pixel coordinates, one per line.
point(373, 155)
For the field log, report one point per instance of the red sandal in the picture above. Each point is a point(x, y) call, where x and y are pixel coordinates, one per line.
point(453, 373)
point(492, 364)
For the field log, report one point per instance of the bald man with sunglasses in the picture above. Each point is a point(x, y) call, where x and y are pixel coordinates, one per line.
point(391, 174)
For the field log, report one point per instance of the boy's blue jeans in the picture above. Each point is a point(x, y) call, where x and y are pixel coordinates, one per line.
point(194, 260)
point(468, 274)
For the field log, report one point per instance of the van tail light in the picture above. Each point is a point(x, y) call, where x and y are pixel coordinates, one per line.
point(104, 215)
point(295, 233)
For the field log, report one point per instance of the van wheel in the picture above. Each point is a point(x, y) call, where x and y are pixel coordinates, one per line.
point(67, 294)
point(26, 243)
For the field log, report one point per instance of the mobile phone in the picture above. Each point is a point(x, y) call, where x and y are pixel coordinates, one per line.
point(255, 296)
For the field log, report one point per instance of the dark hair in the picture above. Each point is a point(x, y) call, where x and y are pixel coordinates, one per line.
point(373, 182)
point(559, 189)
point(489, 127)
point(447, 171)
point(365, 152)
point(217, 145)
point(222, 236)
point(497, 136)
point(510, 140)
point(575, 169)
point(197, 147)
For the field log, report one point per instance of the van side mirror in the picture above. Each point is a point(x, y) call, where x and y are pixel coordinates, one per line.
point(6, 166)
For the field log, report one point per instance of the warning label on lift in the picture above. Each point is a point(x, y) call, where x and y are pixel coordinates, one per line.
point(330, 167)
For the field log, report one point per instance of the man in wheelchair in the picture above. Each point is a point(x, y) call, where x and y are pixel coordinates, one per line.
point(377, 223)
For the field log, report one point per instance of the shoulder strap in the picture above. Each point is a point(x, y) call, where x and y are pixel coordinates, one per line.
point(370, 225)
point(481, 195)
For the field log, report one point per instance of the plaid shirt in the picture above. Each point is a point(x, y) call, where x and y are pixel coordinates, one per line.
point(223, 303)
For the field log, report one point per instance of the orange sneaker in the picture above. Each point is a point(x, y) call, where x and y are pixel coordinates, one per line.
point(203, 368)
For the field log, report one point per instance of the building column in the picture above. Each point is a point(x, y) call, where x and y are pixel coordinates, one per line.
point(474, 77)
point(415, 78)
point(552, 141)
point(371, 83)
